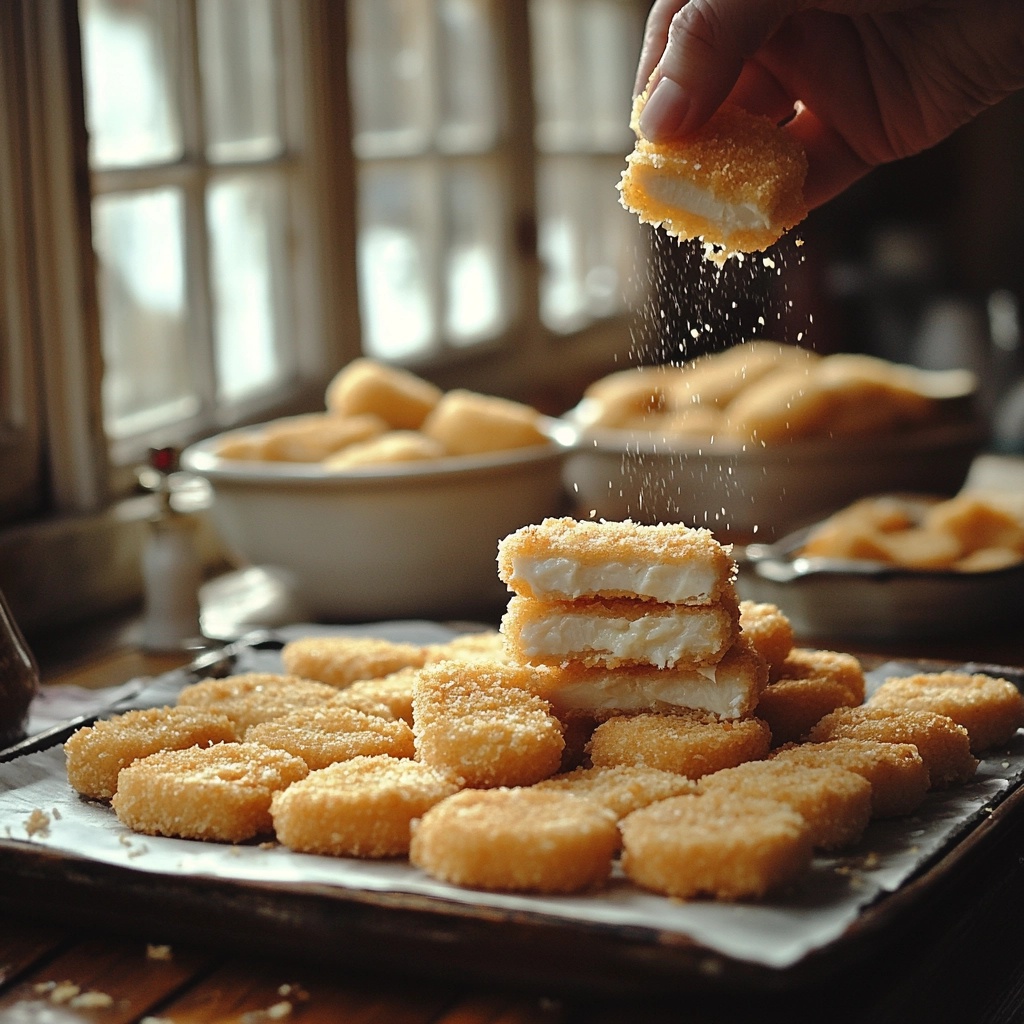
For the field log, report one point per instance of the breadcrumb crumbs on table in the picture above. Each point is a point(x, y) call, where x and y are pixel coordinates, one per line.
point(37, 823)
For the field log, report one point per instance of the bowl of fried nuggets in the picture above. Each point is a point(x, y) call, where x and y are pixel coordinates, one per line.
point(560, 754)
point(390, 502)
point(890, 566)
point(763, 438)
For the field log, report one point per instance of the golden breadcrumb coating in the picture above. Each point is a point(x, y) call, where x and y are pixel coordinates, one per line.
point(792, 707)
point(620, 788)
point(363, 807)
point(768, 628)
point(394, 691)
point(835, 802)
point(255, 697)
point(944, 746)
point(726, 848)
point(989, 708)
point(219, 793)
point(740, 160)
point(472, 718)
point(897, 773)
point(342, 660)
point(688, 744)
point(96, 753)
point(332, 732)
point(516, 840)
point(837, 666)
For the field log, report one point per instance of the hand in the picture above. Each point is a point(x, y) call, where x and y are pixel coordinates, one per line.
point(863, 82)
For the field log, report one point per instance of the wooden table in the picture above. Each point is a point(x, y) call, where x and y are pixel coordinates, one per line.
point(960, 958)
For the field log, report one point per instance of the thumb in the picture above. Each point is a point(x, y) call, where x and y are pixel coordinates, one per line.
point(705, 48)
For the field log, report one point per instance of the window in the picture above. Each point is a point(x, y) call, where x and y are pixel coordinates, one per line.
point(222, 201)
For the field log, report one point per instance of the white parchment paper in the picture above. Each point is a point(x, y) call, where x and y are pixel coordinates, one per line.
point(39, 809)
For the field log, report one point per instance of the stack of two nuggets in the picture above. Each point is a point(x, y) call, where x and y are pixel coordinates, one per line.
point(627, 617)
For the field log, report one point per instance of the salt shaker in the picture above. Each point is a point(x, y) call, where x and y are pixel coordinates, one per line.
point(171, 569)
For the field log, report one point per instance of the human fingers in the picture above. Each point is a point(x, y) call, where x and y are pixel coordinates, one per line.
point(655, 39)
point(707, 43)
point(832, 165)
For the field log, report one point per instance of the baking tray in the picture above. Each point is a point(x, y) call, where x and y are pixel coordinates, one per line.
point(389, 917)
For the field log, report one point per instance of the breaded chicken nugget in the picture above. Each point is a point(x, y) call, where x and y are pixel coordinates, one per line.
point(727, 847)
point(394, 691)
point(690, 745)
point(897, 773)
point(467, 423)
point(385, 450)
point(362, 807)
point(516, 840)
point(944, 746)
point(397, 396)
point(219, 793)
point(316, 436)
point(791, 707)
point(254, 697)
point(471, 718)
point(96, 753)
point(768, 628)
point(620, 788)
point(342, 660)
point(989, 708)
point(837, 666)
point(835, 802)
point(323, 735)
point(487, 643)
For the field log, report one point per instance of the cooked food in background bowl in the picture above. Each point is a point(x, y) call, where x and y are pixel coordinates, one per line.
point(896, 566)
point(764, 438)
point(400, 520)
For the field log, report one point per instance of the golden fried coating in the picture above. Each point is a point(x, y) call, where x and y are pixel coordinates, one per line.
point(488, 643)
point(620, 788)
point(727, 847)
point(394, 691)
point(362, 807)
point(835, 802)
point(472, 718)
point(316, 436)
point(690, 745)
point(219, 793)
point(768, 628)
point(944, 746)
point(385, 450)
point(516, 840)
point(897, 773)
point(837, 666)
point(342, 660)
point(792, 706)
point(611, 632)
point(395, 395)
point(737, 183)
point(566, 559)
point(989, 708)
point(96, 753)
point(467, 423)
point(255, 696)
point(323, 735)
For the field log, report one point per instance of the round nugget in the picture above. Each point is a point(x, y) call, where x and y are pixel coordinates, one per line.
point(516, 840)
point(841, 668)
point(342, 660)
point(470, 717)
point(729, 848)
point(690, 745)
point(792, 706)
point(835, 802)
point(989, 708)
point(394, 446)
point(394, 691)
point(944, 746)
point(324, 735)
point(96, 753)
point(316, 436)
point(254, 697)
point(620, 788)
point(897, 773)
point(466, 423)
point(397, 396)
point(769, 630)
point(362, 807)
point(219, 793)
point(488, 644)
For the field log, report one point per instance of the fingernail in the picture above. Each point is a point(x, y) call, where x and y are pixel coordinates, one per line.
point(665, 110)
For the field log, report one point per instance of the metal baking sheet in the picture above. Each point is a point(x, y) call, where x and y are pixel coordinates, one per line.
point(72, 858)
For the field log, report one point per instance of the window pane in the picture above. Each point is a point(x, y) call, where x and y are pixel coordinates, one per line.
point(389, 64)
point(587, 242)
point(245, 217)
point(468, 67)
point(138, 241)
point(475, 306)
point(130, 65)
point(397, 238)
point(237, 47)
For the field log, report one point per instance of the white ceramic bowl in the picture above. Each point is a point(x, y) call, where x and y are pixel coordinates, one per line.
point(412, 540)
point(759, 493)
point(860, 600)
